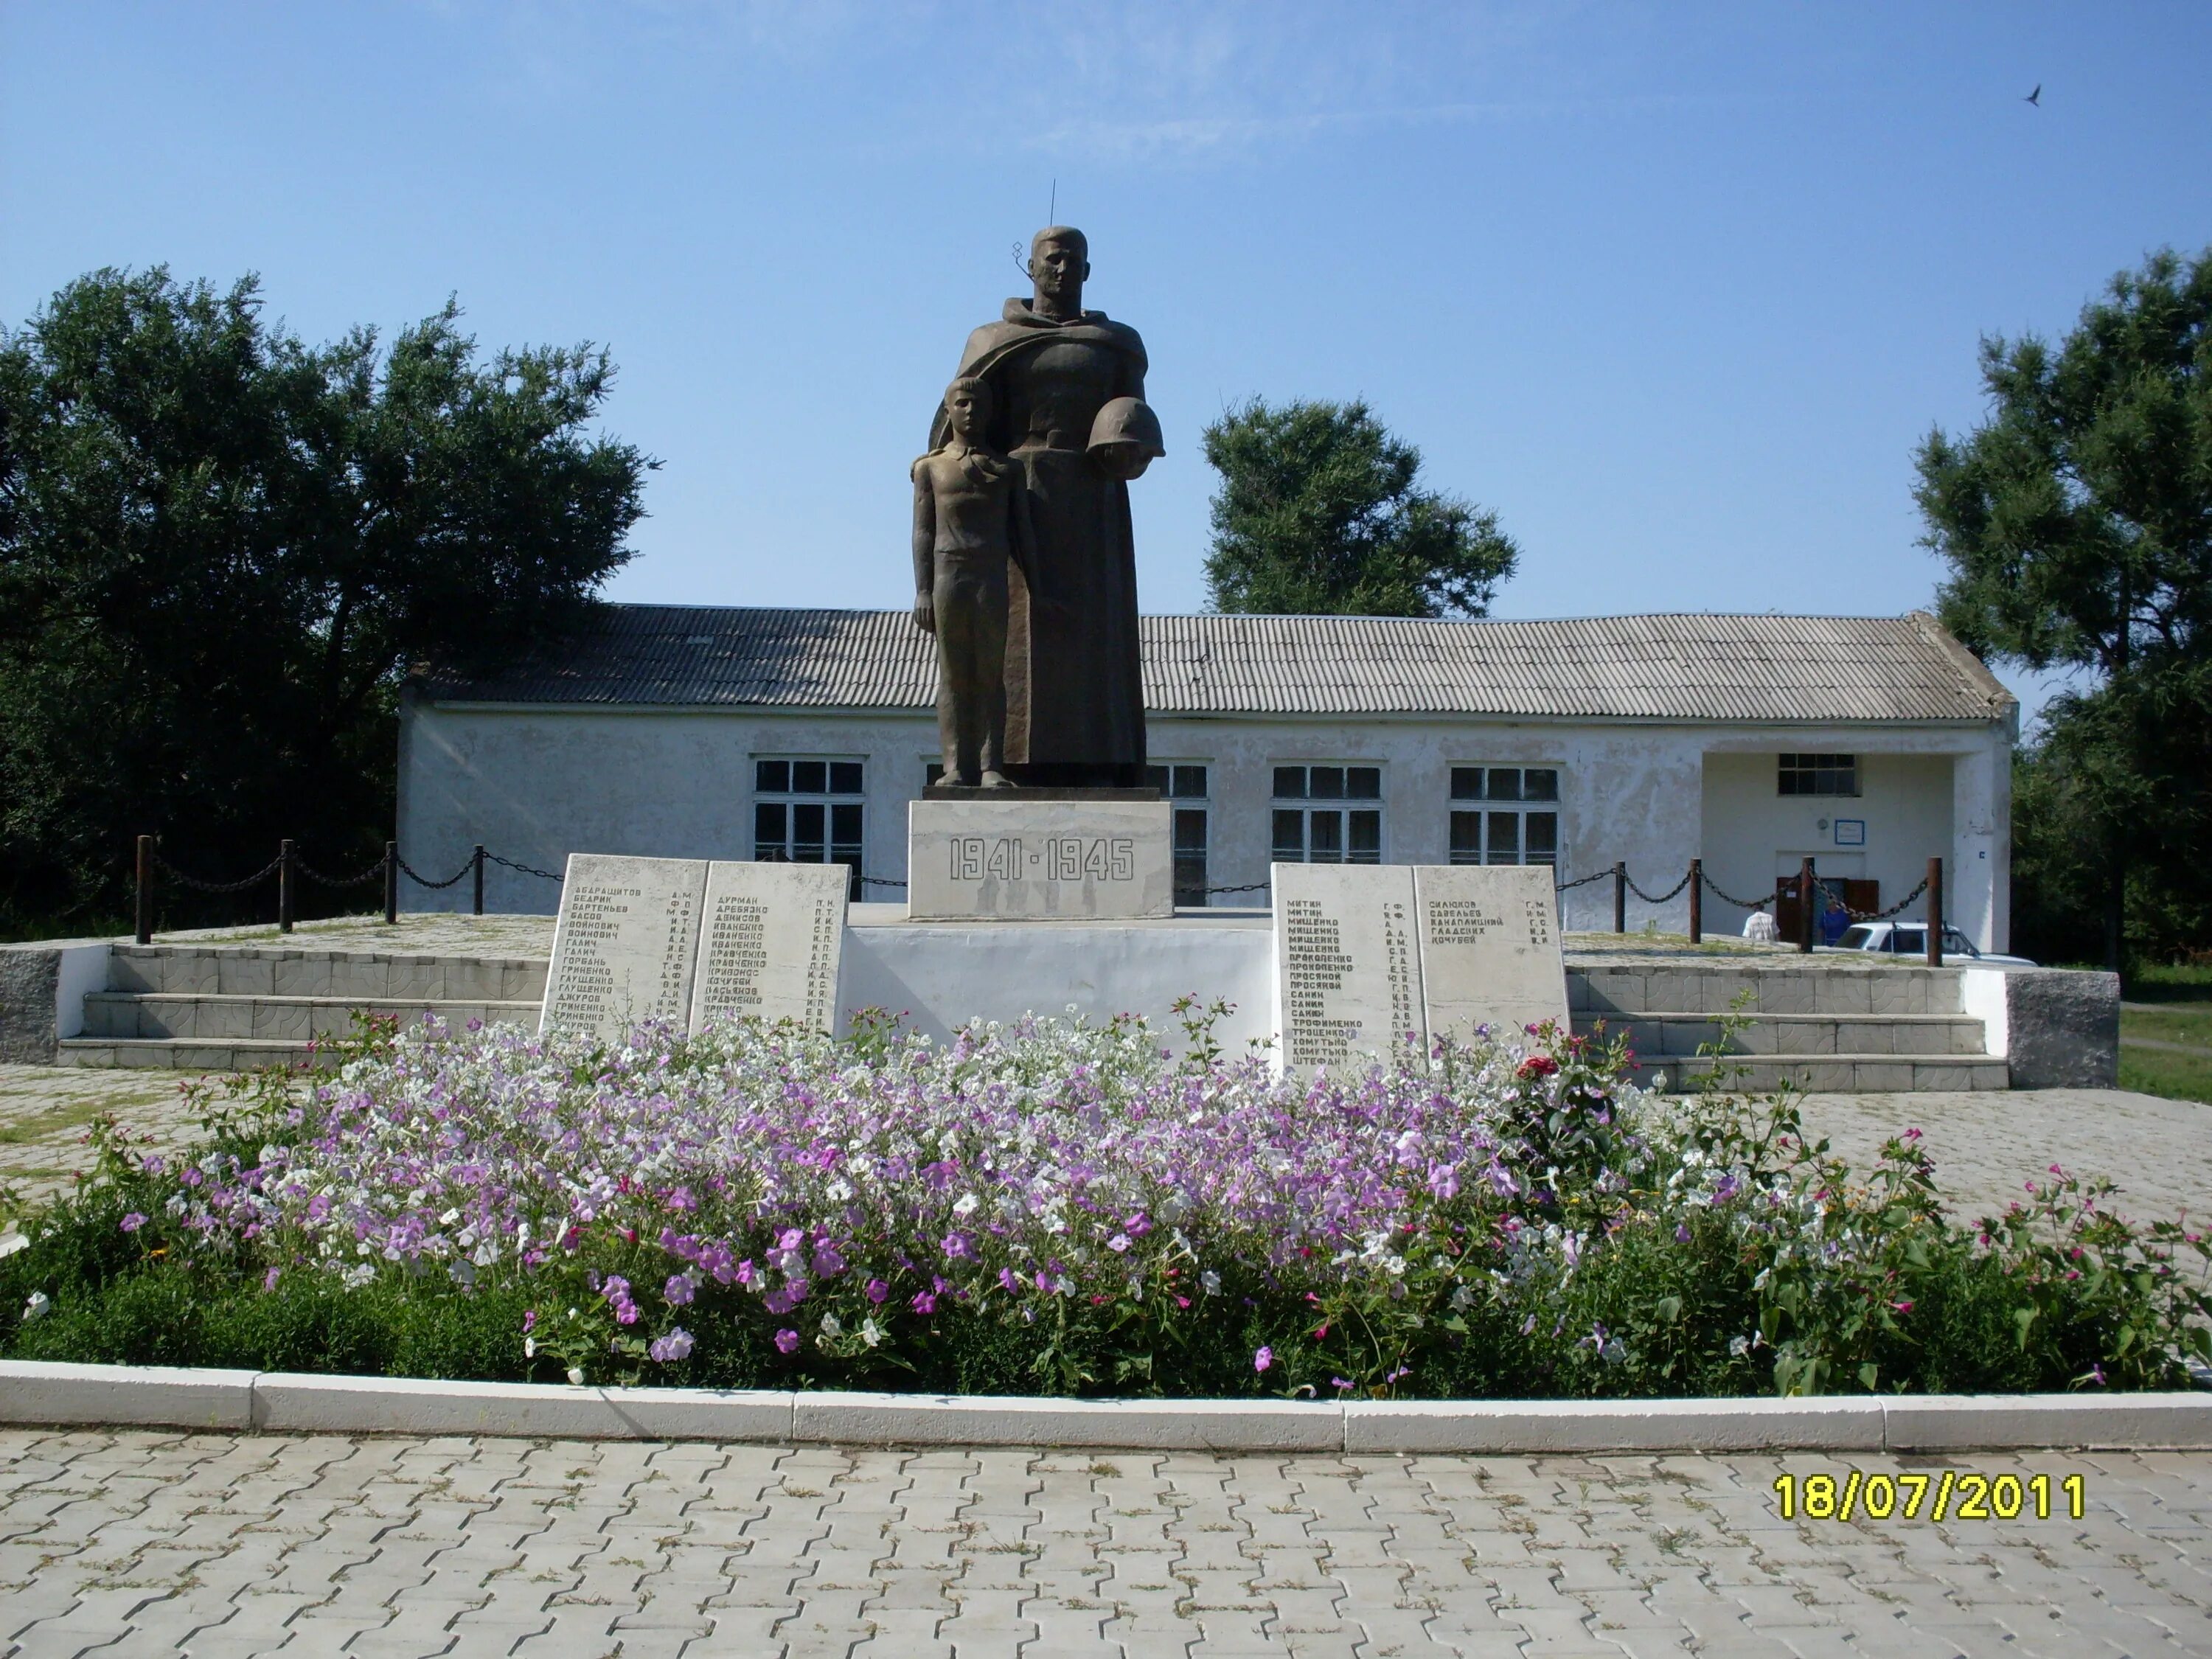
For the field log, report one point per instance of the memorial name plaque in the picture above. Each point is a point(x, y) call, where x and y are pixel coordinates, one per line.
point(1347, 965)
point(1003, 860)
point(1490, 948)
point(624, 944)
point(770, 943)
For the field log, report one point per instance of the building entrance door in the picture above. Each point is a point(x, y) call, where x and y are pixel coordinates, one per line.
point(1844, 877)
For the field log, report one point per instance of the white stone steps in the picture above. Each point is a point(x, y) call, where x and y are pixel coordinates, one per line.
point(180, 1054)
point(283, 971)
point(1832, 988)
point(128, 1015)
point(1870, 1074)
point(1670, 1035)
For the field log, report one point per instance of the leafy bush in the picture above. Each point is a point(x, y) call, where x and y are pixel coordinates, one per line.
point(1068, 1209)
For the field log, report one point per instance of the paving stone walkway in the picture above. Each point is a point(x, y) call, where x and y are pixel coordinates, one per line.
point(1988, 1144)
point(140, 1543)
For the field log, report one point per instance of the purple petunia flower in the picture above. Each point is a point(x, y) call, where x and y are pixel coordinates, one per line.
point(677, 1345)
point(787, 1342)
point(1263, 1358)
point(133, 1222)
point(877, 1292)
point(679, 1290)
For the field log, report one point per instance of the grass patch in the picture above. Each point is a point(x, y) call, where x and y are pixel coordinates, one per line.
point(36, 1101)
point(2168, 1003)
point(2170, 1076)
point(43, 1123)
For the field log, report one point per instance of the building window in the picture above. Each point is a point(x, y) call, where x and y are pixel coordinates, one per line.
point(807, 811)
point(1318, 817)
point(1518, 822)
point(1183, 783)
point(1819, 775)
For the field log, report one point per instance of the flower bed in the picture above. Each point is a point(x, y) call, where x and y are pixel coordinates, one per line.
point(1063, 1208)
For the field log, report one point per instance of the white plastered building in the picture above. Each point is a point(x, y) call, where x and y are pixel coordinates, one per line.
point(1870, 744)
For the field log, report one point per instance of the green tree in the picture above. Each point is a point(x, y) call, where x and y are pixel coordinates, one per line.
point(1319, 513)
point(2077, 523)
point(221, 547)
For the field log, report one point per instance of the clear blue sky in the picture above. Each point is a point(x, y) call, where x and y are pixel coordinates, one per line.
point(1673, 288)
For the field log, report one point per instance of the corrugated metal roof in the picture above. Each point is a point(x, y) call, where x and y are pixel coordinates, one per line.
point(1681, 667)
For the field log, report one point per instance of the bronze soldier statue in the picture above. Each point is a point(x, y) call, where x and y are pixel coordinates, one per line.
point(970, 523)
point(1066, 408)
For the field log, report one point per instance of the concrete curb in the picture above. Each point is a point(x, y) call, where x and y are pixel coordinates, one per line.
point(33, 1392)
point(144, 1396)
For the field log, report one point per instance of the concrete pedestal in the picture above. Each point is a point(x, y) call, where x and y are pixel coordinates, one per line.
point(941, 975)
point(1000, 857)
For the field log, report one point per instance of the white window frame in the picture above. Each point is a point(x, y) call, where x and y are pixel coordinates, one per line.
point(1344, 807)
point(1186, 804)
point(1476, 807)
point(788, 801)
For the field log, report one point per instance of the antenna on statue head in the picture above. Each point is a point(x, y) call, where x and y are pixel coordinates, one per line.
point(1051, 217)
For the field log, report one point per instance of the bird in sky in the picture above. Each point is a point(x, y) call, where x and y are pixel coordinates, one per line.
point(2035, 97)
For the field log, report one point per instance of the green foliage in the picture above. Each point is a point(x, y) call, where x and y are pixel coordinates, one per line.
point(2077, 523)
point(221, 547)
point(1318, 515)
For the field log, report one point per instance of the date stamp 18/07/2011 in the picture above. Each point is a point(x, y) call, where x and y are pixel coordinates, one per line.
point(1947, 1495)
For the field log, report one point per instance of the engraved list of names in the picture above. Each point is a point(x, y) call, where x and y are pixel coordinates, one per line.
point(1348, 971)
point(774, 937)
point(623, 947)
point(1490, 948)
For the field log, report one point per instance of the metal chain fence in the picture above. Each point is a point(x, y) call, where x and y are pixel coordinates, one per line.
point(392, 864)
point(1832, 895)
point(1654, 898)
point(1714, 888)
point(422, 880)
point(199, 886)
point(374, 872)
point(525, 869)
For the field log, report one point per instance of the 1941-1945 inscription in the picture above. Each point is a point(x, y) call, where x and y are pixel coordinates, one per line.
point(1019, 857)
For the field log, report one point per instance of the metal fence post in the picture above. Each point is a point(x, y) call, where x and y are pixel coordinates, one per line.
point(390, 883)
point(286, 896)
point(1697, 901)
point(1935, 913)
point(478, 861)
point(1621, 898)
point(145, 912)
point(1807, 921)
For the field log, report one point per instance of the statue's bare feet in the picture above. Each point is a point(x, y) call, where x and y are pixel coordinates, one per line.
point(957, 781)
point(994, 779)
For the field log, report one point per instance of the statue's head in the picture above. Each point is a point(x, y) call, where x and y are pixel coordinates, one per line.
point(967, 407)
point(1059, 264)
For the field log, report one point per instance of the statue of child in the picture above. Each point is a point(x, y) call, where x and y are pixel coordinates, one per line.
point(970, 517)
